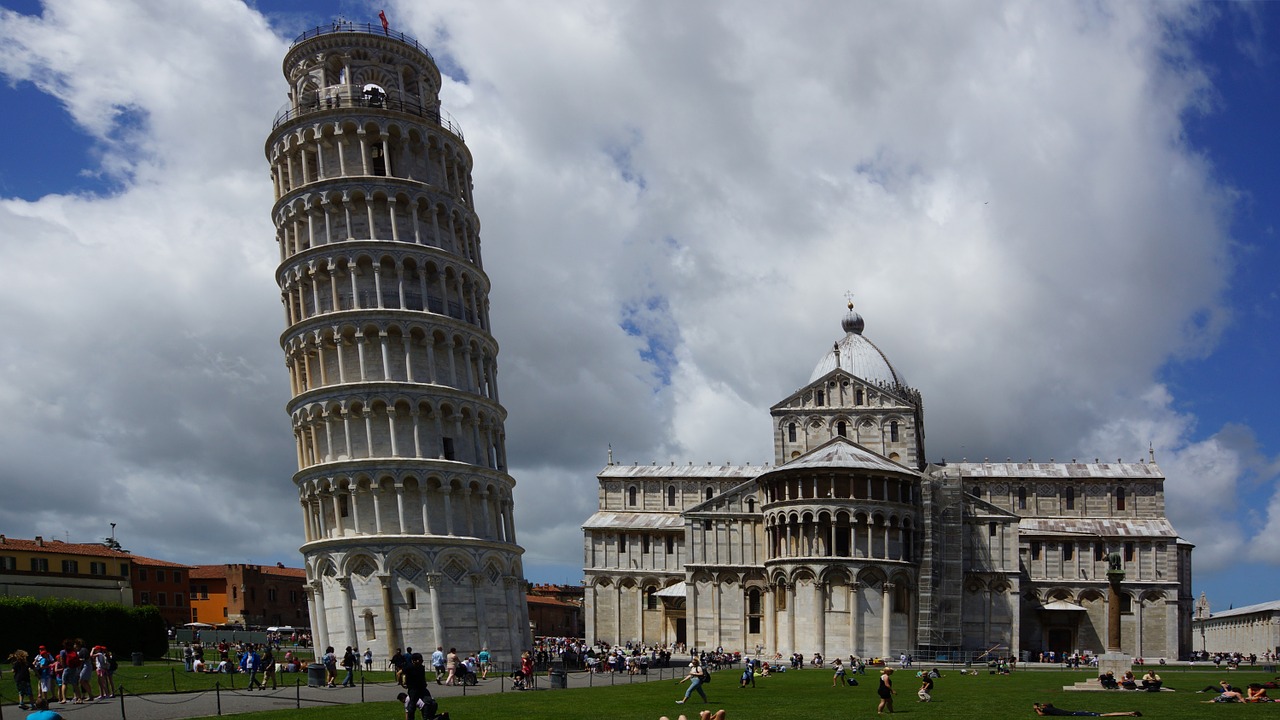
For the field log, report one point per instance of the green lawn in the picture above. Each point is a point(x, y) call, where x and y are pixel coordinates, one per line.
point(808, 693)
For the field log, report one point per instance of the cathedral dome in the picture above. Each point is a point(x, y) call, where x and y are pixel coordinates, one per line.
point(858, 356)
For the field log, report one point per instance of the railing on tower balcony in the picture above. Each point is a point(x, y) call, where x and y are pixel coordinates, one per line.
point(337, 97)
point(342, 26)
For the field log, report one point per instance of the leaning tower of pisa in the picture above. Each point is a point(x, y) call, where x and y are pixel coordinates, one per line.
point(402, 468)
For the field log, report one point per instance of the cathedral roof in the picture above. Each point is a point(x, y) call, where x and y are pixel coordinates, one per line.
point(1142, 528)
point(655, 471)
point(633, 521)
point(842, 453)
point(1049, 470)
point(857, 355)
point(1266, 607)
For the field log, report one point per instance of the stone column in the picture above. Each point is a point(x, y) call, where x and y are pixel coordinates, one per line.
point(691, 622)
point(315, 597)
point(791, 617)
point(1114, 660)
point(617, 612)
point(886, 609)
point(433, 592)
point(715, 610)
point(482, 623)
point(1137, 628)
point(348, 611)
point(819, 618)
point(389, 617)
point(769, 627)
point(853, 617)
point(589, 610)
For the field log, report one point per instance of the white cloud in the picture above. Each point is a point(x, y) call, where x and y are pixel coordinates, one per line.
point(1005, 188)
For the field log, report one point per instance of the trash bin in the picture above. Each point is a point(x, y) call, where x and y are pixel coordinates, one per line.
point(559, 679)
point(316, 675)
point(137, 659)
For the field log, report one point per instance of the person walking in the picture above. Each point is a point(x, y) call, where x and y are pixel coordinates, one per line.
point(268, 668)
point(885, 691)
point(694, 677)
point(20, 662)
point(349, 664)
point(415, 686)
point(451, 667)
point(252, 661)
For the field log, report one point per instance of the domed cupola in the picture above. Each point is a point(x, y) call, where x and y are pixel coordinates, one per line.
point(858, 356)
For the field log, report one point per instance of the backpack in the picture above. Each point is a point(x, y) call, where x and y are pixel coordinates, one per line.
point(112, 664)
point(706, 676)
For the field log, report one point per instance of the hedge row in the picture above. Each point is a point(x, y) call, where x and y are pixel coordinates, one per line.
point(27, 623)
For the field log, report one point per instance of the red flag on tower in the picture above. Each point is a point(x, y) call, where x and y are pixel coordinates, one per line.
point(383, 17)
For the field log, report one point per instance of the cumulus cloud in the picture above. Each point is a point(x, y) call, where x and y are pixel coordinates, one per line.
point(675, 199)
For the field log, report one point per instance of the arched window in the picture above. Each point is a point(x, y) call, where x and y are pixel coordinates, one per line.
point(1022, 498)
point(858, 400)
point(412, 597)
point(710, 493)
point(651, 598)
point(1119, 498)
point(379, 161)
point(791, 432)
point(631, 496)
point(840, 429)
point(1071, 498)
point(977, 491)
point(671, 495)
point(893, 431)
point(753, 611)
point(821, 399)
point(751, 504)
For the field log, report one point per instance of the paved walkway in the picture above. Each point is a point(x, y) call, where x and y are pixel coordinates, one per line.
point(229, 702)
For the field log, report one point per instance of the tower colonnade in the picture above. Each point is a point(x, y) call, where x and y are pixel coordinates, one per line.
point(407, 506)
point(329, 215)
point(326, 355)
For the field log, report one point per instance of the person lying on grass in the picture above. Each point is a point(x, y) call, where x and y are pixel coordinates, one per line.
point(1048, 709)
point(704, 715)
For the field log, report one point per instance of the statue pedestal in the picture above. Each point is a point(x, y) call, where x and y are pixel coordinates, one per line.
point(1116, 663)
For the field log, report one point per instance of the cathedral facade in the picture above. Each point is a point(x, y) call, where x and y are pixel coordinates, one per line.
point(851, 543)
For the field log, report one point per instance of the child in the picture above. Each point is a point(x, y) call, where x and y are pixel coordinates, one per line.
point(926, 687)
point(838, 678)
point(427, 705)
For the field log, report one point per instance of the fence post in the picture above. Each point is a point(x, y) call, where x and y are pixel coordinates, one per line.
point(173, 675)
point(297, 693)
point(217, 692)
point(120, 692)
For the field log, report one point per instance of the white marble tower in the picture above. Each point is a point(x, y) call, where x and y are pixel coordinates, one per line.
point(402, 469)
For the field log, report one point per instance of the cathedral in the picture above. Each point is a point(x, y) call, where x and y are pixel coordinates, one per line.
point(851, 543)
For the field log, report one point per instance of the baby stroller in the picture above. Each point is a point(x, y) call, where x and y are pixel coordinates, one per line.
point(518, 681)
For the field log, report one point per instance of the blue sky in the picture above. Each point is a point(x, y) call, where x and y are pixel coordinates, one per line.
point(1058, 220)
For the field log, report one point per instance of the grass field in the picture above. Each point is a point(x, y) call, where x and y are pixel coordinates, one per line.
point(807, 693)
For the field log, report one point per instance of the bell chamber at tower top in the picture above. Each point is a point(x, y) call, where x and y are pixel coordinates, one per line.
point(349, 66)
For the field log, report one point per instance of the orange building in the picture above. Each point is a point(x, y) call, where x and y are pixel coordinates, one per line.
point(555, 610)
point(162, 584)
point(51, 568)
point(250, 595)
